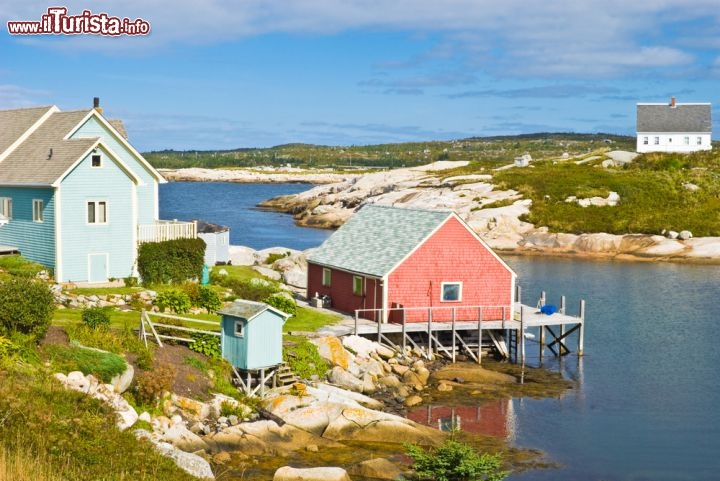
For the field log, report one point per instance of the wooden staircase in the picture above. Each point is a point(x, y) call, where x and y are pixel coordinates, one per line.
point(284, 376)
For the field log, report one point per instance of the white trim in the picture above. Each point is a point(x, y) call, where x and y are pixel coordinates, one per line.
point(41, 219)
point(135, 226)
point(58, 237)
point(97, 202)
point(6, 201)
point(239, 322)
point(110, 154)
point(100, 160)
point(107, 265)
point(355, 273)
point(385, 292)
point(51, 110)
point(94, 113)
point(454, 283)
point(362, 287)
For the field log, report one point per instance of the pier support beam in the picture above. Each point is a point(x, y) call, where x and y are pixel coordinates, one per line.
point(581, 334)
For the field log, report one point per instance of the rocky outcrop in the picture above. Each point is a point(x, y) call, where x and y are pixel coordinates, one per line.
point(259, 175)
point(287, 473)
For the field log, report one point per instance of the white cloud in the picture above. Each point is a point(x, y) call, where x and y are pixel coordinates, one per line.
point(507, 37)
point(12, 97)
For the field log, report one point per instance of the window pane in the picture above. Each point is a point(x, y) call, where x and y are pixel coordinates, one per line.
point(91, 212)
point(102, 212)
point(357, 286)
point(451, 292)
point(326, 277)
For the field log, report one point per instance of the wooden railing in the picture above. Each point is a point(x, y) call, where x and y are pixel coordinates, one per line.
point(164, 230)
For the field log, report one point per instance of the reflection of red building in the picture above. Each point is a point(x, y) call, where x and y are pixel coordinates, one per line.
point(495, 418)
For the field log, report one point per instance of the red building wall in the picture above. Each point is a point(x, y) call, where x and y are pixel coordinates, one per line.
point(452, 254)
point(341, 291)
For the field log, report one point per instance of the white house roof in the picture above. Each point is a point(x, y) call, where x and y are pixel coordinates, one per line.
point(682, 117)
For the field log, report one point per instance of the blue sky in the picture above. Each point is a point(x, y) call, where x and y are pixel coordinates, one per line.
point(223, 74)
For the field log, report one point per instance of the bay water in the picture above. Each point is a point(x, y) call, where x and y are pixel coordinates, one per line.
point(646, 406)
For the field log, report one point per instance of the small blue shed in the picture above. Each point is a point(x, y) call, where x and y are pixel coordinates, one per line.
point(252, 335)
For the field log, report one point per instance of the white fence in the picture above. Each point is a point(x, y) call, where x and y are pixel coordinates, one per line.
point(164, 230)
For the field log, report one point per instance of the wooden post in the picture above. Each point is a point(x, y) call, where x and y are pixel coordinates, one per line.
point(249, 383)
point(404, 341)
point(542, 298)
point(562, 326)
point(453, 335)
point(522, 339)
point(379, 325)
point(357, 314)
point(429, 345)
point(581, 334)
point(562, 304)
point(479, 351)
point(262, 382)
point(518, 294)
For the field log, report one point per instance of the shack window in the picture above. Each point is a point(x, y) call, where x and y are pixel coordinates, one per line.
point(326, 277)
point(96, 160)
point(451, 292)
point(239, 329)
point(357, 285)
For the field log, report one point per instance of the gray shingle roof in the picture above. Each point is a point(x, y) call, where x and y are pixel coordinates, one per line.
point(681, 118)
point(376, 238)
point(14, 123)
point(30, 162)
point(248, 309)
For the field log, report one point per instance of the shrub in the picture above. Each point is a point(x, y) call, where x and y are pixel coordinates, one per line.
point(271, 258)
point(304, 360)
point(175, 300)
point(96, 317)
point(26, 306)
point(151, 385)
point(171, 261)
point(252, 289)
point(209, 300)
point(283, 303)
point(206, 344)
point(454, 461)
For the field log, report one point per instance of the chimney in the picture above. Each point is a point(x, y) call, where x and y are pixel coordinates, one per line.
point(673, 104)
point(96, 104)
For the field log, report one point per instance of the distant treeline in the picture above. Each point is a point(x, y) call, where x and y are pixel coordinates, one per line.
point(491, 149)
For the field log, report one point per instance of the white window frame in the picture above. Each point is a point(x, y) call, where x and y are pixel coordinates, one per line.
point(358, 282)
point(451, 283)
point(699, 140)
point(657, 140)
point(37, 211)
point(646, 140)
point(239, 328)
point(96, 207)
point(92, 161)
point(6, 207)
point(326, 277)
point(687, 140)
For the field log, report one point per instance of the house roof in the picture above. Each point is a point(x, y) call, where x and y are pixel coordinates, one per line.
point(14, 123)
point(682, 117)
point(35, 148)
point(376, 238)
point(249, 309)
point(31, 162)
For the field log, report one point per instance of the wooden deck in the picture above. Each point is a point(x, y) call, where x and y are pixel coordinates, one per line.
point(506, 335)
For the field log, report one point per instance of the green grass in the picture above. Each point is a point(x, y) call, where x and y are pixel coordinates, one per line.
point(72, 434)
point(118, 319)
point(651, 199)
point(103, 365)
point(242, 273)
point(303, 358)
point(17, 265)
point(308, 319)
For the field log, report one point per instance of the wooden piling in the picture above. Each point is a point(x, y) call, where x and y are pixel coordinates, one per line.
point(453, 336)
point(581, 334)
point(479, 348)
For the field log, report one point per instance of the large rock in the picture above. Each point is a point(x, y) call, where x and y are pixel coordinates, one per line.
point(296, 277)
point(341, 378)
point(287, 473)
point(182, 438)
point(267, 272)
point(242, 256)
point(189, 462)
point(122, 382)
point(471, 373)
point(331, 349)
point(378, 468)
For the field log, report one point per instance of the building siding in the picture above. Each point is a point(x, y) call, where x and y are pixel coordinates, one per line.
point(146, 193)
point(452, 254)
point(261, 345)
point(36, 241)
point(341, 293)
point(80, 239)
point(673, 142)
point(217, 247)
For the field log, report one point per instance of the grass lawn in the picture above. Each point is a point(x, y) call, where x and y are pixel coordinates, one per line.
point(308, 319)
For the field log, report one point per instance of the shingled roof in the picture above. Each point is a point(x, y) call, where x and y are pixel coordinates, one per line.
point(376, 238)
point(14, 123)
point(694, 118)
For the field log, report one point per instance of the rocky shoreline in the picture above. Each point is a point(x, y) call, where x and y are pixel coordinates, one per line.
point(493, 214)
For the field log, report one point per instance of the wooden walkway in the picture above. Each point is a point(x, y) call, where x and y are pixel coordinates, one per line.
point(507, 334)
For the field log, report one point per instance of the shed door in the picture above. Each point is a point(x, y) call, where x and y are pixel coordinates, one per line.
point(98, 267)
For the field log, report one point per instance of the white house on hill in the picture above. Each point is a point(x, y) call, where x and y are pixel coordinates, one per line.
point(673, 127)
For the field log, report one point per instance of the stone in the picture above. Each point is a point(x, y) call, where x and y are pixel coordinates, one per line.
point(145, 417)
point(331, 349)
point(77, 381)
point(188, 462)
point(312, 448)
point(222, 457)
point(241, 256)
point(267, 272)
point(377, 468)
point(444, 387)
point(471, 374)
point(190, 408)
point(423, 374)
point(671, 234)
point(685, 235)
point(390, 381)
point(411, 378)
point(182, 438)
point(399, 369)
point(296, 277)
point(413, 400)
point(287, 473)
point(340, 377)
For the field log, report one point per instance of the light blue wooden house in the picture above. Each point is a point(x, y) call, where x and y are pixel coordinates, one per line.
point(252, 335)
point(76, 196)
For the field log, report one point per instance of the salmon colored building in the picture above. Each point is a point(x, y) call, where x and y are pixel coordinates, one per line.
point(386, 258)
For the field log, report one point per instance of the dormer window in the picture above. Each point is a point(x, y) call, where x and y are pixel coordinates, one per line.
point(96, 160)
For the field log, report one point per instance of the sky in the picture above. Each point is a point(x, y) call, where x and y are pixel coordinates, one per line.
point(225, 74)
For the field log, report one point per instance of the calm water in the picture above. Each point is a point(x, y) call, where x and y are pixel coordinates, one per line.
point(648, 403)
point(233, 205)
